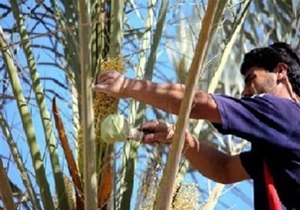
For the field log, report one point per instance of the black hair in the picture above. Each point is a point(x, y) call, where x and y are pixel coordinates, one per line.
point(269, 57)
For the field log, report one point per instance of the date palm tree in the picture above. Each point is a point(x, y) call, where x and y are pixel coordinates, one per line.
point(53, 156)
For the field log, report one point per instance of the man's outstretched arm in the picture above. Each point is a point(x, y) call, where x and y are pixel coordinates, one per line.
point(210, 162)
point(167, 97)
point(214, 164)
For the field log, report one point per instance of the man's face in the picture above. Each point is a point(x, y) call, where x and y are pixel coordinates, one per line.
point(259, 80)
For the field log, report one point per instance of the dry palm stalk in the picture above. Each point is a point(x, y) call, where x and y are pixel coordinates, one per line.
point(165, 191)
point(104, 191)
point(72, 166)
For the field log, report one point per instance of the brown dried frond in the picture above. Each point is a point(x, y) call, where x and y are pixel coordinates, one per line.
point(72, 165)
point(105, 188)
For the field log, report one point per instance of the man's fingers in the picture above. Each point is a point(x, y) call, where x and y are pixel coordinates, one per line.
point(156, 132)
point(100, 87)
point(104, 76)
point(149, 126)
point(159, 137)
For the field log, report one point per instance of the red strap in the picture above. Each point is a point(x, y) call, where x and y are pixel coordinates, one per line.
point(274, 201)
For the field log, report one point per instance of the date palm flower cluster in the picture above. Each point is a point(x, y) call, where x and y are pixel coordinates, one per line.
point(104, 104)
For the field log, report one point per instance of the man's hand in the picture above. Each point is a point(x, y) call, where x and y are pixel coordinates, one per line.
point(112, 83)
point(157, 132)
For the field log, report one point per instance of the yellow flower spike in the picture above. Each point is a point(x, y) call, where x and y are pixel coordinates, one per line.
point(103, 103)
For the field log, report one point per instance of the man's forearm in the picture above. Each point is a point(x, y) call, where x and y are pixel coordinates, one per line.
point(209, 162)
point(167, 97)
point(212, 163)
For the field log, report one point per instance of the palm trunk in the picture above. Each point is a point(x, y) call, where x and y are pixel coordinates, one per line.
point(165, 192)
point(90, 174)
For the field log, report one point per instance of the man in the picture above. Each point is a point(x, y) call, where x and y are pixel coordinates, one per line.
point(268, 115)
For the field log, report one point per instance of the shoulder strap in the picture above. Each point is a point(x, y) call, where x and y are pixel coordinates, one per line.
point(274, 201)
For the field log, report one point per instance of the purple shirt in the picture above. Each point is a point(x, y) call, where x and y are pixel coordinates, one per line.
point(272, 125)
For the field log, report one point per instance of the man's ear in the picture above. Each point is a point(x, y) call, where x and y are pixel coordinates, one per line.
point(281, 70)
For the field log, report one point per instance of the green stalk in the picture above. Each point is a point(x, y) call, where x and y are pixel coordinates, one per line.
point(226, 52)
point(90, 174)
point(214, 196)
point(228, 48)
point(65, 20)
point(216, 193)
point(99, 42)
point(75, 117)
point(146, 41)
point(44, 114)
point(18, 160)
point(116, 32)
point(116, 35)
point(131, 148)
point(165, 191)
point(152, 57)
point(156, 39)
point(99, 39)
point(218, 14)
point(5, 190)
point(27, 126)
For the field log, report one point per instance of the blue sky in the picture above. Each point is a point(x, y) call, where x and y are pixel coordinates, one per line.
point(229, 200)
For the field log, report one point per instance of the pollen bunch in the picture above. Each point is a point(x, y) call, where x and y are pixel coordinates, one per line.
point(186, 197)
point(103, 103)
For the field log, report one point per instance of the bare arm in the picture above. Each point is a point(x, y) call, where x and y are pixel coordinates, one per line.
point(214, 164)
point(210, 162)
point(167, 97)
